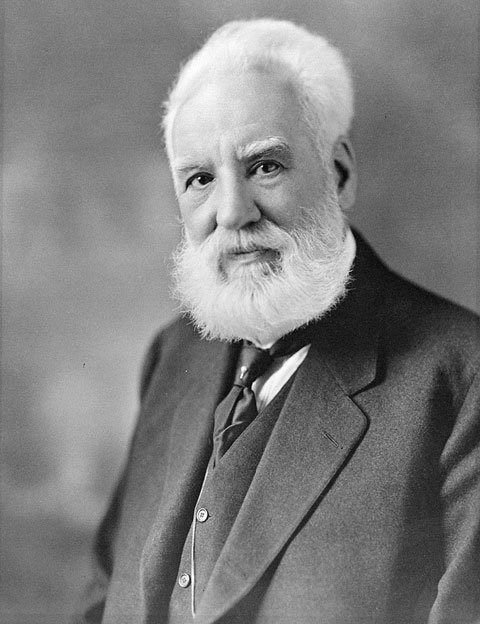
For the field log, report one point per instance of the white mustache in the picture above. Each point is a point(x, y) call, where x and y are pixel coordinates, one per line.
point(261, 235)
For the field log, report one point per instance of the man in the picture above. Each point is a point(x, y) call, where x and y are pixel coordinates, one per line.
point(308, 444)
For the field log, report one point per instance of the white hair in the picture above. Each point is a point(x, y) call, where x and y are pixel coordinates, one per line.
point(316, 70)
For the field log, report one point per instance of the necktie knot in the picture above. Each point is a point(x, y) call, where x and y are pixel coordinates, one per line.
point(238, 409)
point(253, 363)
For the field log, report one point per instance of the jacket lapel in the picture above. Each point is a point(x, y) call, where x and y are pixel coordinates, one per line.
point(318, 430)
point(189, 449)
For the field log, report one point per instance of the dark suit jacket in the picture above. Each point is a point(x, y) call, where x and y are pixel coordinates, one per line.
point(365, 507)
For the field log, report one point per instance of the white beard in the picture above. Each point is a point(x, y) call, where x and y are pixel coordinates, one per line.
point(263, 301)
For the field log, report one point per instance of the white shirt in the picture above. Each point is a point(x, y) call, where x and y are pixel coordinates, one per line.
point(269, 384)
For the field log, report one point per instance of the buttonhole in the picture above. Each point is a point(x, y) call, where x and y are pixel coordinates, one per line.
point(331, 439)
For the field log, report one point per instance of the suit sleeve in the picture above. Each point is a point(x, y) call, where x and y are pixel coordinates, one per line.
point(458, 597)
point(92, 603)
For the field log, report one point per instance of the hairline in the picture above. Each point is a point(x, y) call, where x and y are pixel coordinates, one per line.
point(277, 69)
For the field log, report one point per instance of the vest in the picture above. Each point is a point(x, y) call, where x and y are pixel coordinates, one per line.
point(219, 502)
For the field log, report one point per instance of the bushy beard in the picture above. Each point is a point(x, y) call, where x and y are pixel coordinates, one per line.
point(262, 301)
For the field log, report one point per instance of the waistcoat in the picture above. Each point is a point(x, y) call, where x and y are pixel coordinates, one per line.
point(223, 492)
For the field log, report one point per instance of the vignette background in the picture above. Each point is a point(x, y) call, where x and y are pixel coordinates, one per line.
point(89, 223)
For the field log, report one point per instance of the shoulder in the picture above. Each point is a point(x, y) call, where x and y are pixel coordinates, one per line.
point(178, 333)
point(172, 342)
point(428, 318)
point(421, 334)
point(178, 355)
point(410, 310)
point(434, 342)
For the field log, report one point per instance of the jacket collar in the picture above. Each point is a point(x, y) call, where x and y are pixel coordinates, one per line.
point(347, 337)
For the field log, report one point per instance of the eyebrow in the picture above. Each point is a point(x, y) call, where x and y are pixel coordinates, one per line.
point(265, 148)
point(270, 147)
point(186, 165)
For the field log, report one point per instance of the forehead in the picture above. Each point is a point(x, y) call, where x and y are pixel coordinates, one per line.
point(234, 111)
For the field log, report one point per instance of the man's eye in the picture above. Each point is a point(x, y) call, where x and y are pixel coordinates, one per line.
point(199, 180)
point(266, 168)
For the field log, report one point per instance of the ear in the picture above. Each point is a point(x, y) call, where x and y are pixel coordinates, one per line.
point(345, 167)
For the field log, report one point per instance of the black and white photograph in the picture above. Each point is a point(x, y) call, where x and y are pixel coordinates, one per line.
point(240, 340)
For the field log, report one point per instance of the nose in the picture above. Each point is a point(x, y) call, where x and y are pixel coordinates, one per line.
point(236, 207)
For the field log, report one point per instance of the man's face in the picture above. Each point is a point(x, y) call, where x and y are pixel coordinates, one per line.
point(265, 249)
point(241, 154)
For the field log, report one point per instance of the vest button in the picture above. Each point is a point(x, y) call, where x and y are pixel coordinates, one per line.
point(184, 580)
point(202, 514)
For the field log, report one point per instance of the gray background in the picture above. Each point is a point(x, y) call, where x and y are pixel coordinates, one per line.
point(90, 221)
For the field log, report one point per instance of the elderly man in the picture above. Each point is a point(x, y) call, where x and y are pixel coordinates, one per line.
point(308, 444)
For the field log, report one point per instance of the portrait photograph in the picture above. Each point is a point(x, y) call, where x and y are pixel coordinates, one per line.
point(240, 343)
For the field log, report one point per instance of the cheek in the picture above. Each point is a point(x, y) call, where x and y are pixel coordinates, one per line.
point(309, 193)
point(197, 222)
point(282, 207)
